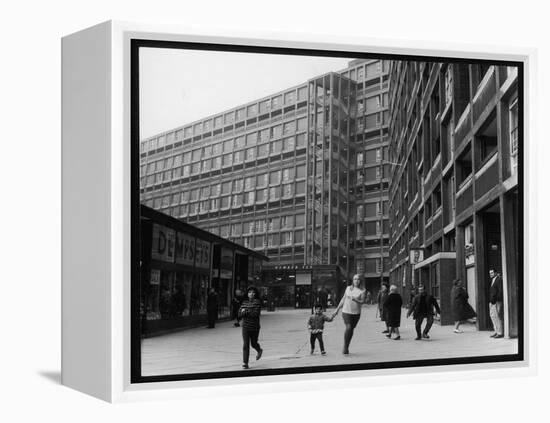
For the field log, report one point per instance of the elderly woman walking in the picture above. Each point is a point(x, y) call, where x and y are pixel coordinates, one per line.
point(462, 310)
point(393, 304)
point(351, 303)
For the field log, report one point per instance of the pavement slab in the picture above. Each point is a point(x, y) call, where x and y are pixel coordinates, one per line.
point(285, 340)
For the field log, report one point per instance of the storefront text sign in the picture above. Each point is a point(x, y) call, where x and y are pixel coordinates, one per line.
point(185, 249)
point(163, 243)
point(202, 256)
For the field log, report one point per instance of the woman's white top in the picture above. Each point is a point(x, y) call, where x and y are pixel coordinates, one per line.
point(350, 306)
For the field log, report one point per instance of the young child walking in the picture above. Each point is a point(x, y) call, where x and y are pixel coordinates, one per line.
point(316, 324)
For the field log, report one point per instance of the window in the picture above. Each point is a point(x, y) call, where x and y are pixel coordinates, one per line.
point(203, 207)
point(275, 178)
point(298, 237)
point(252, 110)
point(195, 194)
point(301, 171)
point(215, 190)
point(217, 149)
point(288, 174)
point(289, 127)
point(299, 220)
point(290, 97)
point(240, 114)
point(196, 155)
point(227, 159)
point(224, 231)
point(251, 139)
point(514, 137)
point(249, 183)
point(300, 188)
point(276, 147)
point(238, 157)
point(448, 85)
point(249, 198)
point(216, 162)
point(237, 200)
point(287, 190)
point(250, 153)
point(261, 180)
point(238, 185)
point(206, 165)
point(261, 195)
point(236, 229)
point(302, 124)
point(239, 142)
point(288, 144)
point(263, 150)
point(195, 168)
point(359, 159)
point(286, 238)
point(300, 140)
point(225, 202)
point(260, 226)
point(205, 192)
point(228, 146)
point(274, 193)
point(226, 187)
point(276, 102)
point(273, 224)
point(187, 157)
point(214, 204)
point(276, 131)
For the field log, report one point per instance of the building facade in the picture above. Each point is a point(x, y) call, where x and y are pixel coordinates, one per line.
point(454, 192)
point(300, 176)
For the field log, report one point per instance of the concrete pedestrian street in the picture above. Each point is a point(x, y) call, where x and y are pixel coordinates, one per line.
point(285, 340)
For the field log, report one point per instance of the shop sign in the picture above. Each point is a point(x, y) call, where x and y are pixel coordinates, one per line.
point(185, 249)
point(303, 278)
point(202, 254)
point(226, 274)
point(155, 277)
point(416, 256)
point(293, 267)
point(163, 243)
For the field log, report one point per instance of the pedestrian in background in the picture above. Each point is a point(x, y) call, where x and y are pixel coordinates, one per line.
point(424, 306)
point(235, 306)
point(393, 304)
point(351, 304)
point(380, 299)
point(495, 304)
point(212, 308)
point(462, 310)
point(316, 325)
point(249, 313)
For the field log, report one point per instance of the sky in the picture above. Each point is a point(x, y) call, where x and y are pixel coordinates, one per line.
point(180, 86)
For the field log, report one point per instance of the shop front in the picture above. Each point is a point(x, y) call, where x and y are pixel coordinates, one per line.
point(437, 274)
point(301, 286)
point(177, 270)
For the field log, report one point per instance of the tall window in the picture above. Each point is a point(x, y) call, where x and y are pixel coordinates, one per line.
point(514, 137)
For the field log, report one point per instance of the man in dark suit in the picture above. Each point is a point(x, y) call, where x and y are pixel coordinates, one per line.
point(422, 307)
point(495, 304)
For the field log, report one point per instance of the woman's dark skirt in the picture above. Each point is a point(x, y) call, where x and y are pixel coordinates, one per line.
point(351, 319)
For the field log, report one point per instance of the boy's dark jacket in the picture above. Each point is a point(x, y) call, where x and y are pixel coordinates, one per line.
point(317, 321)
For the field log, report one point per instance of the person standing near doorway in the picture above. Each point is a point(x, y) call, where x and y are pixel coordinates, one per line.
point(496, 303)
point(212, 308)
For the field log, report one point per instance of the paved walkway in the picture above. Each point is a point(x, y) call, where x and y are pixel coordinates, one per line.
point(285, 340)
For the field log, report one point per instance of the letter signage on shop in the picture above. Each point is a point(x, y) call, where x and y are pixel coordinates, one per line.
point(163, 247)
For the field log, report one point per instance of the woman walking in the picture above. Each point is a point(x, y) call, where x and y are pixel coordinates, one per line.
point(462, 310)
point(351, 303)
point(392, 305)
point(249, 313)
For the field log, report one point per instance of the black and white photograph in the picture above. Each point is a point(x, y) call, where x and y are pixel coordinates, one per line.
point(299, 211)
